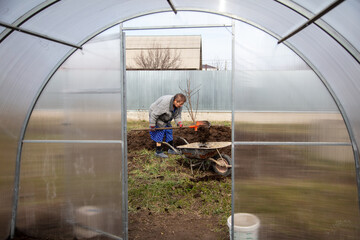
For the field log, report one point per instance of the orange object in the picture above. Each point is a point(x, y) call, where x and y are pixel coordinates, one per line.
point(196, 126)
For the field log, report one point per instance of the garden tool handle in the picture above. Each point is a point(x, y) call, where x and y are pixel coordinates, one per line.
point(149, 129)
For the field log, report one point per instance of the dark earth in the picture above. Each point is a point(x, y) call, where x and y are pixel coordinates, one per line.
point(138, 140)
point(177, 226)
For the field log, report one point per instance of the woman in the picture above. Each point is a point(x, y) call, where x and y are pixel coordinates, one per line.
point(161, 113)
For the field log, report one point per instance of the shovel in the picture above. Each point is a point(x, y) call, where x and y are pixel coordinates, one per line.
point(196, 126)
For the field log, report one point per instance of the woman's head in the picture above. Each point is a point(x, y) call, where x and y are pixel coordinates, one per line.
point(179, 100)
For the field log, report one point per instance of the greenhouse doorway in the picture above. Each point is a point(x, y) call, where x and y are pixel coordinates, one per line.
point(166, 196)
point(290, 148)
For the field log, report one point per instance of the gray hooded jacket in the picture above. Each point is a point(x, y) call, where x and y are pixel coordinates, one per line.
point(161, 112)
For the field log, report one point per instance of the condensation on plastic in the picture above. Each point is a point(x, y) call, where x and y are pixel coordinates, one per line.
point(69, 188)
point(298, 192)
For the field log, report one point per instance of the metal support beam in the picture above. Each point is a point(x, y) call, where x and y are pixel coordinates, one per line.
point(233, 67)
point(39, 35)
point(176, 27)
point(255, 143)
point(172, 6)
point(311, 20)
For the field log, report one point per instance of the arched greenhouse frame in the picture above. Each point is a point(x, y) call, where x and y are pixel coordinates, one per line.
point(63, 132)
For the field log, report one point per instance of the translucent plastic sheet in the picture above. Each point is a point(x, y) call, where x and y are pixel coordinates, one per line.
point(70, 190)
point(82, 101)
point(290, 127)
point(26, 62)
point(298, 192)
point(71, 170)
point(352, 9)
point(294, 165)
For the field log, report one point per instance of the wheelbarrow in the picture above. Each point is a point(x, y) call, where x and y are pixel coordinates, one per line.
point(198, 153)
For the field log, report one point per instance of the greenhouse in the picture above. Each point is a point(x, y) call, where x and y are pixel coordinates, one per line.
point(290, 90)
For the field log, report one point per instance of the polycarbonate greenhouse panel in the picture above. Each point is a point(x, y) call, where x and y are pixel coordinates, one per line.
point(27, 62)
point(72, 156)
point(7, 173)
point(268, 14)
point(343, 17)
point(290, 127)
point(294, 165)
point(70, 190)
point(298, 192)
point(271, 78)
point(299, 90)
point(313, 6)
point(21, 77)
point(12, 10)
point(340, 70)
point(82, 101)
point(73, 21)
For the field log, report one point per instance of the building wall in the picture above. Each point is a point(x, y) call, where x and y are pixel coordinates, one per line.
point(188, 47)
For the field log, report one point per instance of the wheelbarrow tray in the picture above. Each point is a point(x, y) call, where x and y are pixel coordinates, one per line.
point(199, 150)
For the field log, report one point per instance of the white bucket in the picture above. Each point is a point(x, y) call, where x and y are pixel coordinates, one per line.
point(88, 219)
point(246, 226)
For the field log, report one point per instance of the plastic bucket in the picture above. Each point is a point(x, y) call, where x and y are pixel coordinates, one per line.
point(246, 226)
point(88, 220)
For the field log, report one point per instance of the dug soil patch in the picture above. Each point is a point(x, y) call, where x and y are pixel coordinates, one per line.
point(138, 140)
point(181, 223)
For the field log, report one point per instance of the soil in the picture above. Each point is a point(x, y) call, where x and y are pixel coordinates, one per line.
point(138, 140)
point(144, 225)
point(177, 226)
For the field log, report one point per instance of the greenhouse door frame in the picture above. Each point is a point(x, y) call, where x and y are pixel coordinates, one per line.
point(124, 200)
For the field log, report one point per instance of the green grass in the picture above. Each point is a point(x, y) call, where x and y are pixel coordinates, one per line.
point(167, 186)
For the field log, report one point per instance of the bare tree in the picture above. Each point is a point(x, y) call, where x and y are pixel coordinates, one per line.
point(220, 64)
point(191, 105)
point(158, 58)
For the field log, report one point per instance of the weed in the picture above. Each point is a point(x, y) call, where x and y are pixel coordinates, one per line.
point(165, 185)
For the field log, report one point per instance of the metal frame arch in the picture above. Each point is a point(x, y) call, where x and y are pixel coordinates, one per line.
point(342, 111)
point(233, 16)
point(287, 3)
point(323, 26)
point(28, 15)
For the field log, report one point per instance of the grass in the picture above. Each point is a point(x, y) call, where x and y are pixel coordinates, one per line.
point(167, 186)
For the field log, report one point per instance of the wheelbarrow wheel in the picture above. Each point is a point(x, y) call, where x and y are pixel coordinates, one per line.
point(219, 169)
